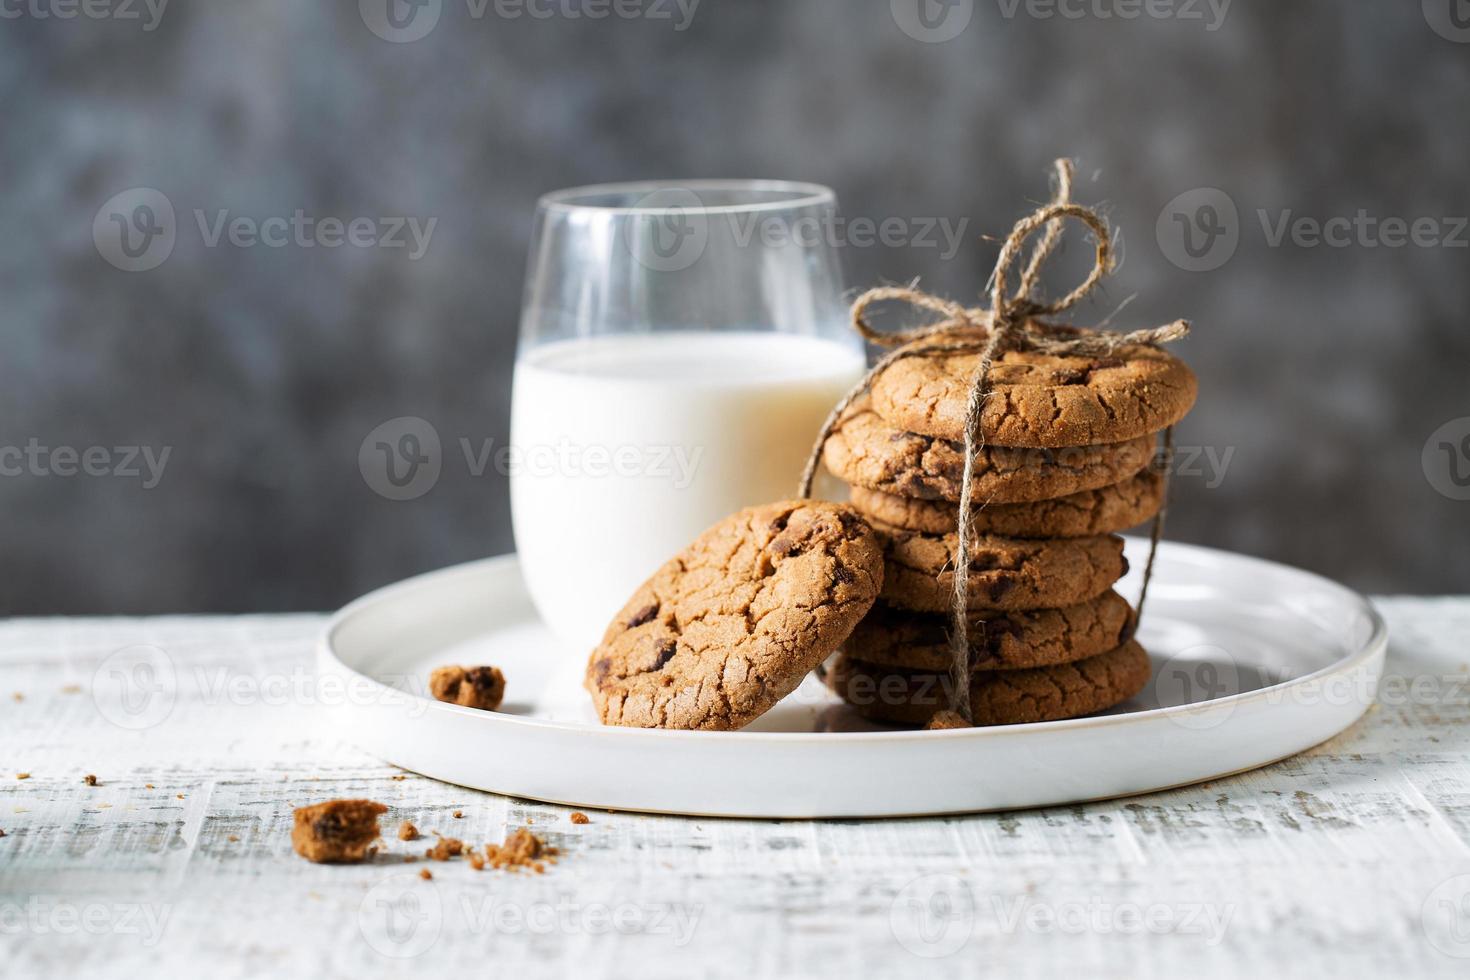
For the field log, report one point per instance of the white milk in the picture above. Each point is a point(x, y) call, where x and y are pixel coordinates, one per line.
point(626, 447)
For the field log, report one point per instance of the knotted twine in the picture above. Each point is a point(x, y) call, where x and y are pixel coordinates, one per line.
point(1012, 323)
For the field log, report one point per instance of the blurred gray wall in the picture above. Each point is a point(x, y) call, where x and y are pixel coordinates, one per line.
point(1325, 368)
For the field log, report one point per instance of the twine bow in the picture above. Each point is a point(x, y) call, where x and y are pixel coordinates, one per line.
point(1012, 323)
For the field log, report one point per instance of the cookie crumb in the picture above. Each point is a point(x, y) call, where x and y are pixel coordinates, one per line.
point(22, 775)
point(399, 778)
point(520, 850)
point(71, 689)
point(946, 719)
point(90, 779)
point(471, 687)
point(459, 814)
point(426, 874)
point(476, 861)
point(179, 795)
point(2, 833)
point(445, 848)
point(407, 831)
point(18, 696)
point(147, 785)
point(233, 839)
point(579, 817)
point(337, 831)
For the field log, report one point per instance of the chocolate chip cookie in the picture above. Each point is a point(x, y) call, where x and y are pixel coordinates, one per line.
point(1005, 573)
point(867, 451)
point(732, 624)
point(1040, 399)
point(890, 637)
point(997, 697)
point(1087, 512)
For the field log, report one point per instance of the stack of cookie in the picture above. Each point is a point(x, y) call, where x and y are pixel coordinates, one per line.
point(1068, 442)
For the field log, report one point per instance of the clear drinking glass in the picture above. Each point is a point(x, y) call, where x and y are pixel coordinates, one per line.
point(680, 346)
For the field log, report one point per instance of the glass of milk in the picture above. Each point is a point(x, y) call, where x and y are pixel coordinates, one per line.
point(680, 346)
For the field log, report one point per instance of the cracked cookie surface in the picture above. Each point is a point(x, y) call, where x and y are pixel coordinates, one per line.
point(1006, 641)
point(1040, 400)
point(1005, 573)
point(997, 697)
point(1102, 511)
point(733, 623)
point(866, 451)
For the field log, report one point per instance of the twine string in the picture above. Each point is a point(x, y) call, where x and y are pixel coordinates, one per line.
point(1013, 322)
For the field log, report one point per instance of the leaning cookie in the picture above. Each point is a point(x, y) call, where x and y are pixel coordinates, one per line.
point(1040, 399)
point(890, 637)
point(1115, 507)
point(1005, 573)
point(732, 624)
point(998, 697)
point(866, 451)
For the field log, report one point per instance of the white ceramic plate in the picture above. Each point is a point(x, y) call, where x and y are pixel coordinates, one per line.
point(1253, 662)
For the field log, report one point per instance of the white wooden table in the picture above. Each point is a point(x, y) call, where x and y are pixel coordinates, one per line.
point(1349, 860)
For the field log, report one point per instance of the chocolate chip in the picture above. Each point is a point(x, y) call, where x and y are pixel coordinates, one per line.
point(1002, 585)
point(644, 615)
point(664, 653)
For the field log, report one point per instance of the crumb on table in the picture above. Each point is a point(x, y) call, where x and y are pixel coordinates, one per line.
point(337, 831)
point(579, 817)
point(445, 848)
point(90, 779)
point(407, 831)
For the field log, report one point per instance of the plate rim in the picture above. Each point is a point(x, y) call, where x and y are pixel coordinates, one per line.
point(327, 653)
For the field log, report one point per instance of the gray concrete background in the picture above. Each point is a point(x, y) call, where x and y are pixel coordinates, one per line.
point(1325, 368)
